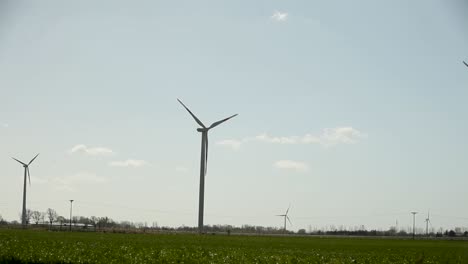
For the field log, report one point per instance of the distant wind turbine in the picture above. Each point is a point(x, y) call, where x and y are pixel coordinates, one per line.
point(285, 215)
point(203, 162)
point(26, 173)
point(428, 222)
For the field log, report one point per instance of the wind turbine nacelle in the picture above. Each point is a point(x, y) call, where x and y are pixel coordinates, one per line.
point(202, 129)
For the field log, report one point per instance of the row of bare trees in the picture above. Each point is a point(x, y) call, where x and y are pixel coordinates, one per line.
point(50, 216)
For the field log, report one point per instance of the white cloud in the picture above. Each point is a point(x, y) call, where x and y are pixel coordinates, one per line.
point(96, 151)
point(311, 139)
point(346, 135)
point(279, 16)
point(232, 143)
point(128, 163)
point(291, 165)
point(71, 182)
point(328, 137)
point(279, 140)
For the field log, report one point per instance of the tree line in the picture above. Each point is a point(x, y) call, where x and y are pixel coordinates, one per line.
point(51, 219)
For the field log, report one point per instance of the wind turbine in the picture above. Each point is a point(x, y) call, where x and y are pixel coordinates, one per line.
point(428, 221)
point(26, 173)
point(203, 161)
point(285, 215)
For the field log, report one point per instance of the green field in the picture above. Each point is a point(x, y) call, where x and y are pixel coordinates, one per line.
point(29, 246)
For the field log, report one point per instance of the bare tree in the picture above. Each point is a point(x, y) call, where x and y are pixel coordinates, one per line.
point(28, 215)
point(43, 215)
point(105, 222)
point(51, 215)
point(61, 220)
point(36, 216)
point(94, 220)
point(84, 220)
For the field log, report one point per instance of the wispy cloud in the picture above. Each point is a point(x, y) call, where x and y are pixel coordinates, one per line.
point(232, 143)
point(4, 125)
point(329, 137)
point(291, 165)
point(129, 163)
point(95, 151)
point(279, 16)
point(71, 182)
point(346, 135)
point(277, 140)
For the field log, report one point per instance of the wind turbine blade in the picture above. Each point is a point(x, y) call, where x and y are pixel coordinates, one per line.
point(194, 117)
point(33, 159)
point(280, 215)
point(465, 63)
point(19, 161)
point(221, 121)
point(289, 220)
point(288, 209)
point(29, 175)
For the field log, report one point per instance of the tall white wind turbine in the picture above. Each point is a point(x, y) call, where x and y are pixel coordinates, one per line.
point(28, 175)
point(285, 215)
point(203, 161)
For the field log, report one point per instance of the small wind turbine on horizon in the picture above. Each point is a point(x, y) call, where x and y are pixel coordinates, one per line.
point(428, 222)
point(285, 215)
point(28, 175)
point(204, 160)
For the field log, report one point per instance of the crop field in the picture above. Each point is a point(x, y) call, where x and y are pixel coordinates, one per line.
point(29, 246)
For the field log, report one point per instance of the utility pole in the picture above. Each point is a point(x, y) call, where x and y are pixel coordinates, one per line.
point(71, 208)
point(414, 216)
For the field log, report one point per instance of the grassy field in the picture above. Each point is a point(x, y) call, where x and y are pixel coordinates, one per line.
point(29, 246)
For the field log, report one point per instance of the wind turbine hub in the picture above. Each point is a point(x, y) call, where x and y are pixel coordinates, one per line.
point(202, 129)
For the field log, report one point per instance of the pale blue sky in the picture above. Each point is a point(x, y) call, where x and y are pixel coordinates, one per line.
point(368, 99)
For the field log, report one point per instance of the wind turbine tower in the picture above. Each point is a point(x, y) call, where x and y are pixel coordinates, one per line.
point(414, 225)
point(203, 161)
point(28, 175)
